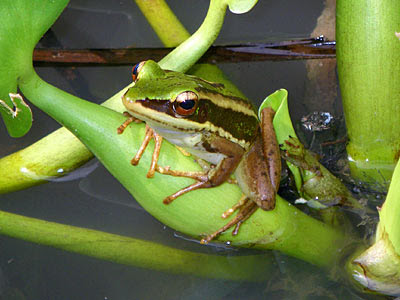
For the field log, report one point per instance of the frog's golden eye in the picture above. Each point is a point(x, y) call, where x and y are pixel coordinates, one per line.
point(136, 69)
point(185, 103)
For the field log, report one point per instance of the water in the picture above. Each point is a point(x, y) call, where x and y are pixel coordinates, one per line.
point(92, 198)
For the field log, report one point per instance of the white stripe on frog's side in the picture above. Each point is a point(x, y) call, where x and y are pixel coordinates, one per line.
point(237, 104)
point(162, 121)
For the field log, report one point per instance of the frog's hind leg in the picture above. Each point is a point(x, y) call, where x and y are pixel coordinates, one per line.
point(246, 210)
point(270, 147)
point(242, 201)
point(214, 176)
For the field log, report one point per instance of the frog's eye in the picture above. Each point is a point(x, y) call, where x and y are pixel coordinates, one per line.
point(136, 69)
point(185, 103)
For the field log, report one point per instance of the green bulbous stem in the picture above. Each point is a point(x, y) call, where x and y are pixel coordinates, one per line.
point(368, 59)
point(285, 228)
point(378, 267)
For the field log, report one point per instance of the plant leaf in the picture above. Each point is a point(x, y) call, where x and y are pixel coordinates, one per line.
point(18, 117)
point(22, 23)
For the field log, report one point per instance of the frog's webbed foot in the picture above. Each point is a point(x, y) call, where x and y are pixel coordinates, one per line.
point(247, 208)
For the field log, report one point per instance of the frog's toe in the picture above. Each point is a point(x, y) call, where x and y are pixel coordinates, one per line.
point(247, 209)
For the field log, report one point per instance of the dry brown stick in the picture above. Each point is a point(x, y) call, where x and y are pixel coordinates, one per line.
point(286, 50)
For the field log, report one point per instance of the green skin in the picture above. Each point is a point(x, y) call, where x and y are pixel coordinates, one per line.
point(220, 128)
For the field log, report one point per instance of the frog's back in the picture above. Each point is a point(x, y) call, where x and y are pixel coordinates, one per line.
point(230, 116)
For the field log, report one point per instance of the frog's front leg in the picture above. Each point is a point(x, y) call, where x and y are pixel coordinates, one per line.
point(149, 134)
point(215, 176)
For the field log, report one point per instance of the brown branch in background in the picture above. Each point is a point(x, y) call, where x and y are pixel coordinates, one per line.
point(287, 50)
point(322, 81)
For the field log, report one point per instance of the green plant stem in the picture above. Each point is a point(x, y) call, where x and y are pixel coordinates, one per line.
point(158, 14)
point(389, 221)
point(134, 252)
point(52, 156)
point(184, 57)
point(368, 57)
point(378, 267)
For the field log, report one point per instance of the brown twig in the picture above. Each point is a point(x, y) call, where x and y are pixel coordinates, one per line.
point(286, 50)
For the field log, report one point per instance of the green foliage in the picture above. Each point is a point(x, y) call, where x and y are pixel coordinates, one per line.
point(18, 117)
point(22, 23)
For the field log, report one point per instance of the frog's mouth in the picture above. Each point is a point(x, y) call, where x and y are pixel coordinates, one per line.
point(160, 114)
point(160, 106)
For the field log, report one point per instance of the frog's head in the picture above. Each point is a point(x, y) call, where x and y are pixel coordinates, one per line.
point(174, 102)
point(165, 98)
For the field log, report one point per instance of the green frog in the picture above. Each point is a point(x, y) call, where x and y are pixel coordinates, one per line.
point(208, 121)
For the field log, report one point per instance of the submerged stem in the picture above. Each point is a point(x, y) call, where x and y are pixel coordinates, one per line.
point(134, 252)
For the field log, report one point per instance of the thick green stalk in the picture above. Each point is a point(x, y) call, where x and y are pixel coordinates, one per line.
point(389, 221)
point(378, 267)
point(134, 252)
point(368, 58)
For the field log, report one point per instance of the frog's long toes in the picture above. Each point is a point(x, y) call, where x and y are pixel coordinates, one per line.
point(168, 200)
point(204, 241)
point(135, 161)
point(227, 213)
point(235, 231)
point(150, 173)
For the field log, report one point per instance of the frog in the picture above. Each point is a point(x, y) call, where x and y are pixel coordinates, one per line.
point(215, 125)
